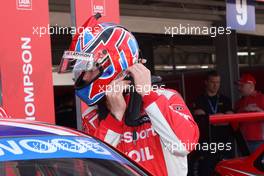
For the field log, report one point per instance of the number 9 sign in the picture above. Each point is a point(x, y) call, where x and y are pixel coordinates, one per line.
point(241, 8)
point(240, 14)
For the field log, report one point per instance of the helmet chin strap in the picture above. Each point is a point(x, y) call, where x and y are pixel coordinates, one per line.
point(132, 115)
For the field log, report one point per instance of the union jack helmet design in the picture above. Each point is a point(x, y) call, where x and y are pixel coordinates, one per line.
point(104, 50)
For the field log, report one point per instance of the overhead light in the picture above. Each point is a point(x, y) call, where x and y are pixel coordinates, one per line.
point(181, 67)
point(245, 53)
point(242, 53)
point(163, 67)
point(168, 67)
point(204, 66)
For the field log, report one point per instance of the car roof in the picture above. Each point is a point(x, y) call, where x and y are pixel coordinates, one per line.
point(21, 127)
point(23, 140)
point(50, 147)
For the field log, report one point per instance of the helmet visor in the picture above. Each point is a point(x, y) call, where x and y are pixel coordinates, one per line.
point(86, 67)
point(74, 61)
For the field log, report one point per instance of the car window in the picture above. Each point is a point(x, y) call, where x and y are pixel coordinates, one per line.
point(68, 167)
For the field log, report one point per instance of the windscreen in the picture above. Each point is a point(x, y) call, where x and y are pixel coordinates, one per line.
point(68, 167)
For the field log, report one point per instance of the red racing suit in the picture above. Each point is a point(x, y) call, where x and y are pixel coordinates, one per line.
point(162, 144)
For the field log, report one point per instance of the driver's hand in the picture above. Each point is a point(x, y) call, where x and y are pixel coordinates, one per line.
point(114, 97)
point(142, 78)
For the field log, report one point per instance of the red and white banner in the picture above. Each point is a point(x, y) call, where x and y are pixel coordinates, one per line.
point(26, 71)
point(109, 10)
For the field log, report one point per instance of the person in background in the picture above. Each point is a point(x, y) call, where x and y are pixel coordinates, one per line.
point(212, 101)
point(250, 101)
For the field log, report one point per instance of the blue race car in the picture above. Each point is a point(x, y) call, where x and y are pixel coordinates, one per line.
point(29, 148)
